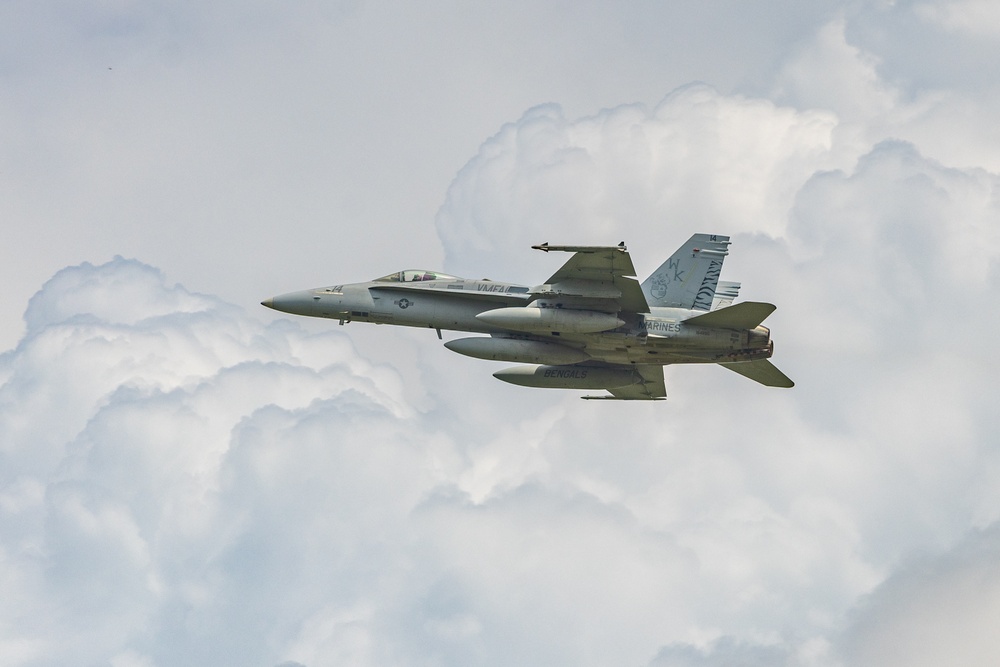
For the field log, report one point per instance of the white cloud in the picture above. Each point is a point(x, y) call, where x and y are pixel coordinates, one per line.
point(931, 45)
point(933, 610)
point(176, 469)
point(829, 73)
point(314, 139)
point(724, 651)
point(698, 160)
point(878, 258)
point(120, 410)
point(860, 66)
point(270, 494)
point(182, 484)
point(978, 18)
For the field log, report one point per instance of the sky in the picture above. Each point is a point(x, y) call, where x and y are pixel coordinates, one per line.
point(189, 478)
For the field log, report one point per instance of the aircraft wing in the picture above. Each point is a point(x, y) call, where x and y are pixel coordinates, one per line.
point(595, 272)
point(652, 387)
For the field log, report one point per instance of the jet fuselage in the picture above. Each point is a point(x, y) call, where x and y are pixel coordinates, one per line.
point(453, 304)
point(590, 325)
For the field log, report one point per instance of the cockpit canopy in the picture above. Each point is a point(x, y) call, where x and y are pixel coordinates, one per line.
point(413, 276)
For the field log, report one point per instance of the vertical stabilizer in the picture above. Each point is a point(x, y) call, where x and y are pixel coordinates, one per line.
point(689, 278)
point(725, 293)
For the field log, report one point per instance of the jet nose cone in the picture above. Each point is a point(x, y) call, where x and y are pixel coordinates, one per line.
point(295, 303)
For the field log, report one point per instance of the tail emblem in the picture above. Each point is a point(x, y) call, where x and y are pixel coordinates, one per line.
point(659, 288)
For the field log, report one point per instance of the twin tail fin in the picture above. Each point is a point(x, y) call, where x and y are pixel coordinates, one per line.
point(690, 277)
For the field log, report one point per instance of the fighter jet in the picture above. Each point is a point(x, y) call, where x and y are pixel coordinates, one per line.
point(592, 325)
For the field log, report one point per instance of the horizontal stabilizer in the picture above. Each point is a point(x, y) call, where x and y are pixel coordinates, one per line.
point(760, 370)
point(746, 315)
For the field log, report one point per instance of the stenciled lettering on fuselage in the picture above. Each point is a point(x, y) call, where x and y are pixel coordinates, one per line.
point(566, 373)
point(661, 327)
point(491, 287)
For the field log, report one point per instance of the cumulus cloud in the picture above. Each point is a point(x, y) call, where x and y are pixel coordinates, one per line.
point(724, 651)
point(227, 136)
point(182, 483)
point(123, 414)
point(929, 44)
point(933, 610)
point(873, 68)
point(698, 159)
point(978, 18)
point(862, 239)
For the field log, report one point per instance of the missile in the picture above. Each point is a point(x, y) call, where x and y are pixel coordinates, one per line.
point(511, 349)
point(550, 319)
point(568, 377)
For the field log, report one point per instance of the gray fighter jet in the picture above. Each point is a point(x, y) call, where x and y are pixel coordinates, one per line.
point(590, 326)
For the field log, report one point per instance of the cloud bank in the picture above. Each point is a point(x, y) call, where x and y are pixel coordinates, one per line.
point(184, 483)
